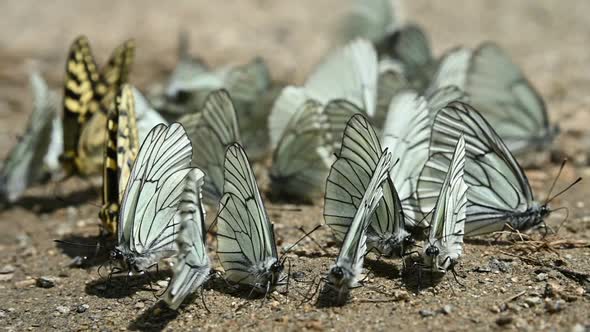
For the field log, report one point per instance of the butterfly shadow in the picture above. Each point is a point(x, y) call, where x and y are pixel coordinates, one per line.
point(85, 251)
point(156, 318)
point(329, 297)
point(120, 286)
point(54, 202)
point(239, 291)
point(382, 269)
point(415, 278)
point(487, 241)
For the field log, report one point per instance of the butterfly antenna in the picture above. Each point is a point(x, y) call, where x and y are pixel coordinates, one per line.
point(564, 190)
point(298, 241)
point(77, 244)
point(556, 178)
point(295, 209)
point(567, 213)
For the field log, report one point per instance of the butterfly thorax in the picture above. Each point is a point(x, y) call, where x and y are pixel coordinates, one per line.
point(392, 244)
point(267, 273)
point(130, 261)
point(434, 261)
point(530, 218)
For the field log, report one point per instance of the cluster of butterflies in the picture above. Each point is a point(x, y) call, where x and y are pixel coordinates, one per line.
point(402, 146)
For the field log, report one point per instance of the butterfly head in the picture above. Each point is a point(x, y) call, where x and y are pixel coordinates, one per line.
point(432, 251)
point(275, 271)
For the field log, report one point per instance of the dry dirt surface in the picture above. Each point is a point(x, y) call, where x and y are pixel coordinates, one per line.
point(531, 284)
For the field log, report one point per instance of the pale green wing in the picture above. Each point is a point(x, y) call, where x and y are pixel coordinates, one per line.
point(369, 19)
point(302, 159)
point(191, 267)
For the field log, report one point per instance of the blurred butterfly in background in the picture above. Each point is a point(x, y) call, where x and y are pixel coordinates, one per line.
point(148, 220)
point(121, 147)
point(445, 239)
point(302, 158)
point(499, 194)
point(88, 93)
point(345, 273)
point(191, 265)
point(245, 238)
point(249, 85)
point(26, 163)
point(212, 131)
point(498, 89)
point(368, 19)
point(347, 184)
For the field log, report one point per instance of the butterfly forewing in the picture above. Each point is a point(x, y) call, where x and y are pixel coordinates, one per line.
point(192, 266)
point(302, 158)
point(211, 131)
point(498, 187)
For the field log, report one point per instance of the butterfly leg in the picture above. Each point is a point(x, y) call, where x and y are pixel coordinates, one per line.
point(203, 299)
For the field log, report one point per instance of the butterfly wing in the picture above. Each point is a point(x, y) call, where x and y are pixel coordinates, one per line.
point(498, 187)
point(147, 223)
point(289, 101)
point(369, 19)
point(303, 156)
point(338, 112)
point(80, 99)
point(406, 134)
point(211, 131)
point(192, 266)
point(245, 236)
point(22, 166)
point(349, 73)
point(115, 73)
point(147, 117)
point(448, 221)
point(348, 181)
point(499, 90)
point(354, 244)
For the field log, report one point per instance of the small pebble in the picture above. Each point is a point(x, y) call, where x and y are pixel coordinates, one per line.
point(7, 269)
point(541, 277)
point(62, 309)
point(426, 313)
point(45, 282)
point(504, 320)
point(25, 283)
point(532, 301)
point(446, 309)
point(554, 306)
point(139, 305)
point(82, 308)
point(298, 275)
point(162, 283)
point(578, 328)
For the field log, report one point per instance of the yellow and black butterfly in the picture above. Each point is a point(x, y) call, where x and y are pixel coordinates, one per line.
point(88, 94)
point(122, 144)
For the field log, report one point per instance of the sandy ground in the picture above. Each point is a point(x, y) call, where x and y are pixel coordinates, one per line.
point(506, 284)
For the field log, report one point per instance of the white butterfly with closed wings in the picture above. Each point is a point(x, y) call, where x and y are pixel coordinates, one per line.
point(445, 239)
point(245, 238)
point(191, 265)
point(148, 221)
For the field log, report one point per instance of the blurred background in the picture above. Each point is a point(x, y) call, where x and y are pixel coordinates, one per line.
point(548, 39)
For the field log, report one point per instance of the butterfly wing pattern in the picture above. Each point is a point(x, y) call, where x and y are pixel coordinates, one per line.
point(211, 132)
point(499, 192)
point(302, 159)
point(344, 275)
point(148, 221)
point(192, 266)
point(445, 241)
point(120, 152)
point(347, 183)
point(245, 241)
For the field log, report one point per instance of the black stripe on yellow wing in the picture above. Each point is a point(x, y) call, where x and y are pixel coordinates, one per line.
point(115, 73)
point(119, 154)
point(79, 101)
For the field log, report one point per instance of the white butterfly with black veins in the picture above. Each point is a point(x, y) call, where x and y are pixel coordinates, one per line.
point(148, 221)
point(344, 275)
point(499, 194)
point(24, 164)
point(347, 183)
point(445, 239)
point(301, 161)
point(212, 131)
point(349, 73)
point(245, 239)
point(191, 265)
point(499, 90)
